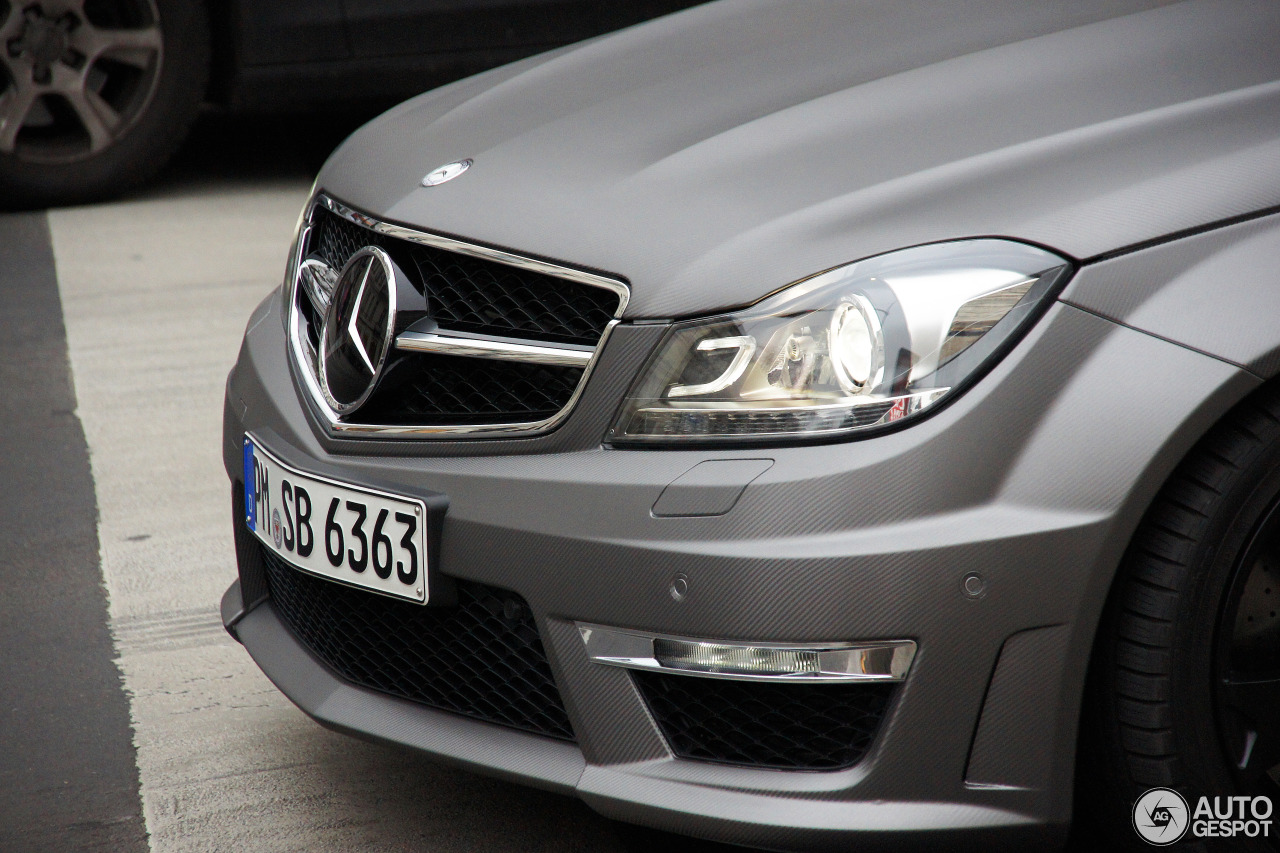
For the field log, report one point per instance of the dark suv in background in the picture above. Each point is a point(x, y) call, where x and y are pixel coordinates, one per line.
point(96, 95)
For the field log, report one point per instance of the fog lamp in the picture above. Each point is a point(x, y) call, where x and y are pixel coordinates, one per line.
point(714, 657)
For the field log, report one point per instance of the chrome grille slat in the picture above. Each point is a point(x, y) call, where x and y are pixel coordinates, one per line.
point(477, 346)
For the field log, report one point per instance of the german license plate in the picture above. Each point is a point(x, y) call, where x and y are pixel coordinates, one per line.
point(350, 534)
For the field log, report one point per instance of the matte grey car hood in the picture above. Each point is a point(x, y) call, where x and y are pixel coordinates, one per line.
point(715, 155)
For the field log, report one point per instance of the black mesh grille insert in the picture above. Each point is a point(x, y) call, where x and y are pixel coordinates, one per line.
point(467, 294)
point(335, 239)
point(481, 659)
point(785, 726)
point(440, 389)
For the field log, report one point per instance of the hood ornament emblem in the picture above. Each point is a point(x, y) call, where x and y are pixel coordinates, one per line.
point(446, 173)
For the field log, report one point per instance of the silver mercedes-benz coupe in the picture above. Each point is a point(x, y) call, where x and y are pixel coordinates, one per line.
point(801, 424)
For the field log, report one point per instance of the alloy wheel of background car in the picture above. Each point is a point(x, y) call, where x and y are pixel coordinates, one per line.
point(95, 95)
point(1186, 667)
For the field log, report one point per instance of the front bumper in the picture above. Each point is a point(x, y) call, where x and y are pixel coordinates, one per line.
point(1032, 481)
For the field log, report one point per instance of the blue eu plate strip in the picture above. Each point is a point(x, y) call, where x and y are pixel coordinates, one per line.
point(250, 487)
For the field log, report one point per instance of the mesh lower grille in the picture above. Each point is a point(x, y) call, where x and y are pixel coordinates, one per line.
point(784, 726)
point(482, 659)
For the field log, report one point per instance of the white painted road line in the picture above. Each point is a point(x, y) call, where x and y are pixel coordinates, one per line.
point(155, 295)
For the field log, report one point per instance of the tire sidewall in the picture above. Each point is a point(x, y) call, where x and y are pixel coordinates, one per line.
point(1188, 547)
point(1199, 623)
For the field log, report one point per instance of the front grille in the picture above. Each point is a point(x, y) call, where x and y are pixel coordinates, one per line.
point(481, 659)
point(782, 726)
point(468, 294)
point(461, 295)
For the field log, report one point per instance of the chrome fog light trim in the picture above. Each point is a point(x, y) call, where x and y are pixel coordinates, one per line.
point(829, 662)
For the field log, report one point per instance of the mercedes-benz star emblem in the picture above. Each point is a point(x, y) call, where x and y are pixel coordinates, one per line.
point(446, 173)
point(358, 329)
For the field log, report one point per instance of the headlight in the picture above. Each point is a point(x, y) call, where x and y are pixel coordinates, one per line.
point(851, 349)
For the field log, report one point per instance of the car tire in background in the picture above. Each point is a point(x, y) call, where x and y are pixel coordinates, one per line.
point(1185, 684)
point(95, 95)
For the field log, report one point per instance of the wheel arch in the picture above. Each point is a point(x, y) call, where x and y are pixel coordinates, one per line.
point(1211, 292)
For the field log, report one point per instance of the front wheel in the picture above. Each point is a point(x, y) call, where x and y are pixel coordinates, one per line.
point(95, 95)
point(1185, 685)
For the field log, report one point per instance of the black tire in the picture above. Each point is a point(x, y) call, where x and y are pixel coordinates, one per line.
point(1158, 712)
point(151, 129)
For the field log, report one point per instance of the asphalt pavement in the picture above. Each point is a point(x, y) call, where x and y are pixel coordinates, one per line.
point(131, 721)
point(68, 775)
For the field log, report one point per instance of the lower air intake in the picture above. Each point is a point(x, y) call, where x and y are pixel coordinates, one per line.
point(481, 659)
point(781, 726)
